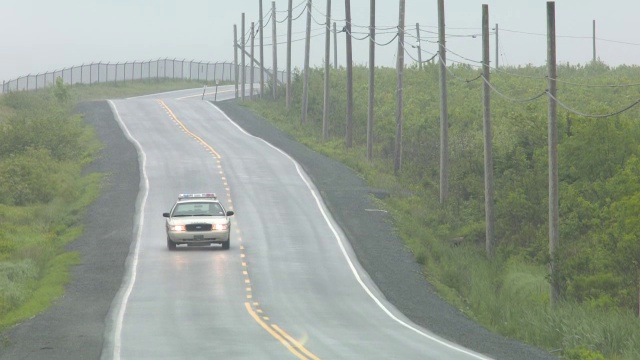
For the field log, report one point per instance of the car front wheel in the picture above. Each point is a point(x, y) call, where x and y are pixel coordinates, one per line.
point(170, 244)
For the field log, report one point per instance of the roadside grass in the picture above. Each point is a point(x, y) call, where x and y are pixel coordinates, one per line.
point(510, 298)
point(34, 265)
point(119, 90)
point(45, 290)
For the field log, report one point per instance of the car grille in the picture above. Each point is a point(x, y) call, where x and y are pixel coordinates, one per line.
point(199, 227)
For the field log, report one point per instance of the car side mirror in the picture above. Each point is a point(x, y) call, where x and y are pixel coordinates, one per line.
point(229, 213)
point(165, 215)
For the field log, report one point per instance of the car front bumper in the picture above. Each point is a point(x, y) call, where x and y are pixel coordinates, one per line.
point(199, 237)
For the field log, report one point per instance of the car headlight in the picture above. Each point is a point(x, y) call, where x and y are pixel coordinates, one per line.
point(220, 226)
point(177, 227)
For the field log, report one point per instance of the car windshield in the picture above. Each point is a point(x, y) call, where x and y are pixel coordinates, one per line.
point(198, 209)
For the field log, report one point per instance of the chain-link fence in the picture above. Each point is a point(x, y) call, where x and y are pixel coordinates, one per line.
point(137, 70)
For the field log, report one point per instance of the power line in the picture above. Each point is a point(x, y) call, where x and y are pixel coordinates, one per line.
point(325, 15)
point(510, 98)
point(296, 40)
point(571, 37)
point(592, 115)
point(597, 85)
point(293, 8)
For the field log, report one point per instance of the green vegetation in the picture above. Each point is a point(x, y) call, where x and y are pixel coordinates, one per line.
point(599, 194)
point(44, 147)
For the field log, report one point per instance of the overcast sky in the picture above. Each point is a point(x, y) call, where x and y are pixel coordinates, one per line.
point(43, 35)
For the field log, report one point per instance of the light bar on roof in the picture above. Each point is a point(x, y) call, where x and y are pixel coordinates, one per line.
point(197, 196)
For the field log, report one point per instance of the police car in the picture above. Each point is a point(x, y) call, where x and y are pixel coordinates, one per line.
point(198, 220)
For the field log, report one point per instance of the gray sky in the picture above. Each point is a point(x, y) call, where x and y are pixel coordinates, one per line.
point(39, 36)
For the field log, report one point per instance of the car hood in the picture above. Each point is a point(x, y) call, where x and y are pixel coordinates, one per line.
point(198, 220)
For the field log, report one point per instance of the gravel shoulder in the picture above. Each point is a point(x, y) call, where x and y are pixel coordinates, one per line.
point(74, 326)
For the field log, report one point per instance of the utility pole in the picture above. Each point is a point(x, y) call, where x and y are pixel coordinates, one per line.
point(327, 69)
point(349, 129)
point(307, 51)
point(244, 69)
point(553, 153)
point(419, 46)
point(261, 30)
point(372, 71)
point(335, 47)
point(444, 111)
point(594, 41)
point(235, 57)
point(251, 59)
point(488, 136)
point(497, 49)
point(397, 163)
point(274, 77)
point(289, 21)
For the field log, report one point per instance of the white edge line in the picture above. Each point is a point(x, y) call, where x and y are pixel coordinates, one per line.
point(133, 265)
point(346, 255)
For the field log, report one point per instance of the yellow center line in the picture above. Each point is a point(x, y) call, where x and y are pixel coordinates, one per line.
point(174, 117)
point(284, 342)
point(294, 342)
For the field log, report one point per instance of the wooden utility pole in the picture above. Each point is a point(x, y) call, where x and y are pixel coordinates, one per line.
point(444, 111)
point(335, 46)
point(327, 69)
point(307, 53)
point(497, 49)
point(244, 69)
point(372, 71)
point(419, 46)
point(553, 153)
point(349, 129)
point(261, 30)
point(289, 21)
point(274, 44)
point(251, 57)
point(594, 41)
point(397, 163)
point(235, 57)
point(488, 136)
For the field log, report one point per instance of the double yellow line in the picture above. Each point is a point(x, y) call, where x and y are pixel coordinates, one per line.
point(199, 139)
point(274, 330)
point(285, 339)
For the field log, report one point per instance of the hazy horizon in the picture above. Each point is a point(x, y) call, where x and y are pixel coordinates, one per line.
point(42, 36)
